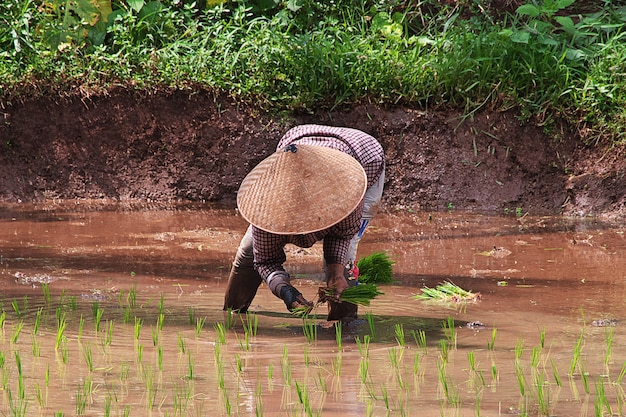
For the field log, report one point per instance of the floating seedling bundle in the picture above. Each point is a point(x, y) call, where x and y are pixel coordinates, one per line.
point(448, 292)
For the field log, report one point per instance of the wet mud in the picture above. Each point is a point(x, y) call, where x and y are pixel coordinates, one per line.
point(140, 291)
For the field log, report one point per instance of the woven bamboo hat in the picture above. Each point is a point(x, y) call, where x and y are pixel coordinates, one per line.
point(301, 189)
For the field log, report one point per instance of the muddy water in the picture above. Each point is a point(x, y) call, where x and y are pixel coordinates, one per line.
point(116, 310)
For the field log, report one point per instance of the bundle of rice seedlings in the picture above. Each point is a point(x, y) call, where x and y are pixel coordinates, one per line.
point(375, 268)
point(448, 292)
point(360, 294)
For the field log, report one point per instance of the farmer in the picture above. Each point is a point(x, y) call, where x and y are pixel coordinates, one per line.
point(322, 184)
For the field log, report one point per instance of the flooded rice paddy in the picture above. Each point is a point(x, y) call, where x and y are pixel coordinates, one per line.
point(115, 310)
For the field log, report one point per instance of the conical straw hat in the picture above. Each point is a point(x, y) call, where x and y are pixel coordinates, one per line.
point(301, 189)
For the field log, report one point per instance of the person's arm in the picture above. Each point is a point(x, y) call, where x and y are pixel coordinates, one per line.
point(269, 257)
point(336, 245)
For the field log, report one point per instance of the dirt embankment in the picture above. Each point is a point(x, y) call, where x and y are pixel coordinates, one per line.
point(192, 146)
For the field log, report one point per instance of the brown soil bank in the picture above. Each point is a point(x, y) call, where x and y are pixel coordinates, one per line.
point(191, 146)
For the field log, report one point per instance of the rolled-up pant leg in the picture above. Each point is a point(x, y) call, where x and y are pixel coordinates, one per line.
point(244, 280)
point(371, 203)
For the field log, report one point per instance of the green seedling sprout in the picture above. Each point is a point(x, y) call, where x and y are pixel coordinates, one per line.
point(399, 329)
point(182, 344)
point(339, 336)
point(420, 340)
point(199, 325)
point(131, 299)
point(370, 322)
point(45, 289)
point(337, 364)
point(37, 321)
point(492, 343)
point(576, 355)
point(555, 373)
point(16, 332)
point(220, 333)
point(138, 325)
point(16, 308)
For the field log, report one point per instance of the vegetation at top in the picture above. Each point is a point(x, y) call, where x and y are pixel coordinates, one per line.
point(306, 54)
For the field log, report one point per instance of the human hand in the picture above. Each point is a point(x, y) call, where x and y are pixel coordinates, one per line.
point(336, 279)
point(293, 298)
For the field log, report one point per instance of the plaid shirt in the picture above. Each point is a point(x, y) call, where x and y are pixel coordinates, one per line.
point(269, 254)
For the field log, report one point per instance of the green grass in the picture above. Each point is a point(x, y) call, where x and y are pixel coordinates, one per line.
point(311, 55)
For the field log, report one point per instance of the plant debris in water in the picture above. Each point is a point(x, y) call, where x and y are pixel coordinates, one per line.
point(360, 294)
point(375, 268)
point(448, 292)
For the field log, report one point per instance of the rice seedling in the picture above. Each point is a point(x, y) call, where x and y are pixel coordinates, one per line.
point(369, 317)
point(576, 354)
point(450, 331)
point(139, 353)
point(363, 370)
point(199, 325)
point(150, 386)
point(17, 330)
point(286, 367)
point(72, 303)
point(363, 346)
point(181, 343)
point(37, 321)
point(131, 298)
point(448, 292)
point(16, 308)
point(492, 343)
point(338, 336)
point(45, 289)
point(160, 358)
point(191, 366)
point(155, 335)
point(376, 268)
point(108, 339)
point(61, 325)
point(161, 306)
point(124, 371)
point(41, 398)
point(309, 329)
point(608, 338)
point(395, 355)
point(88, 357)
point(97, 315)
point(543, 399)
point(81, 326)
point(361, 294)
point(137, 328)
point(160, 321)
point(584, 376)
point(127, 315)
point(303, 397)
point(250, 324)
point(602, 402)
point(36, 346)
point(220, 333)
point(622, 374)
point(555, 373)
point(420, 340)
point(399, 329)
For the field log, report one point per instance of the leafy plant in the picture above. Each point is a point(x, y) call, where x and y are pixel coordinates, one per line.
point(376, 268)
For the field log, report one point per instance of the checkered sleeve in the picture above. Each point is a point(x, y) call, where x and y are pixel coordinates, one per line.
point(337, 241)
point(269, 255)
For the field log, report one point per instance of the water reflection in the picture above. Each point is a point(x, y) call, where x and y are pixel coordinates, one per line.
point(118, 309)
